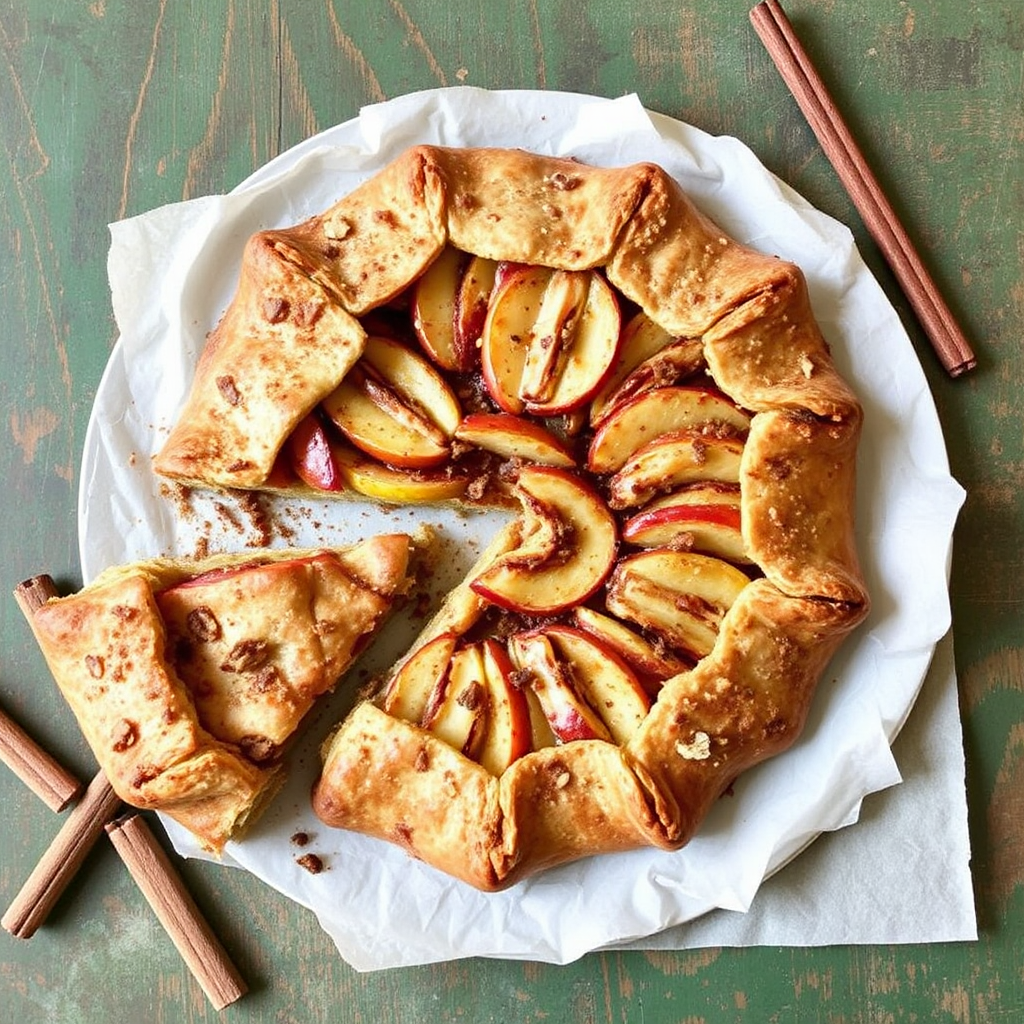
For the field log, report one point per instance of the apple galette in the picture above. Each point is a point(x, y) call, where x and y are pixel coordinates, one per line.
point(189, 678)
point(494, 327)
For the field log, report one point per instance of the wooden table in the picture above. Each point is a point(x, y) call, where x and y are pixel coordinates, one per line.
point(113, 107)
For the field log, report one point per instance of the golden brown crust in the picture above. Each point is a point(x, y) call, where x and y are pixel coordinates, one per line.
point(511, 205)
point(390, 780)
point(798, 485)
point(748, 698)
point(282, 345)
point(366, 248)
point(743, 703)
point(187, 694)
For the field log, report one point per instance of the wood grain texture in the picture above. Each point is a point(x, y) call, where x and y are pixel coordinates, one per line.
point(111, 107)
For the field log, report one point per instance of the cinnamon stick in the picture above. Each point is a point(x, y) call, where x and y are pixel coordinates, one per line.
point(63, 858)
point(803, 80)
point(48, 779)
point(80, 831)
point(176, 910)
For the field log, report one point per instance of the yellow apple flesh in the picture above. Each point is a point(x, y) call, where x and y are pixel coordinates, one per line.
point(458, 714)
point(672, 460)
point(410, 689)
point(568, 714)
point(512, 437)
point(583, 555)
point(679, 596)
point(638, 421)
point(603, 679)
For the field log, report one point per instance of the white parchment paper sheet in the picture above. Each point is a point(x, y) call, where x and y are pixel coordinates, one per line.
point(172, 272)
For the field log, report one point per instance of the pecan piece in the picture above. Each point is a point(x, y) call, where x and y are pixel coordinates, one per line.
point(275, 309)
point(247, 656)
point(125, 735)
point(203, 624)
point(228, 389)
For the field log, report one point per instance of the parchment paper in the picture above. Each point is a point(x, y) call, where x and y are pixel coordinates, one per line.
point(172, 272)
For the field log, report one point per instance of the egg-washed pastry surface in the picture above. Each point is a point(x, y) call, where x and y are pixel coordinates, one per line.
point(492, 327)
point(190, 677)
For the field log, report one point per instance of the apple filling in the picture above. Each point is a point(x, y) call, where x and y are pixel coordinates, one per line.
point(492, 382)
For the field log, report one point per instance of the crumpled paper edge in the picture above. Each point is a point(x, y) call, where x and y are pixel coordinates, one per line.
point(624, 132)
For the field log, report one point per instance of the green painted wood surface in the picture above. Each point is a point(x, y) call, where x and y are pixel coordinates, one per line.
point(112, 107)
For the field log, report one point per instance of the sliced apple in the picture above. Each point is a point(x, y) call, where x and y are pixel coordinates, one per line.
point(639, 420)
point(677, 595)
point(704, 492)
point(712, 529)
point(568, 714)
point(512, 437)
point(574, 344)
point(418, 678)
point(471, 303)
point(509, 733)
point(653, 663)
point(603, 679)
point(583, 555)
point(434, 303)
point(309, 454)
point(271, 568)
point(672, 460)
point(395, 486)
point(395, 406)
point(648, 357)
point(550, 338)
point(541, 734)
point(457, 712)
point(517, 297)
point(552, 334)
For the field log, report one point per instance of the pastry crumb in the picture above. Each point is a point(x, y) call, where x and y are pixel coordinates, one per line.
point(311, 862)
point(698, 749)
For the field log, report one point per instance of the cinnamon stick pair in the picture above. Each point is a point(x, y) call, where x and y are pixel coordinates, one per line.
point(808, 89)
point(130, 836)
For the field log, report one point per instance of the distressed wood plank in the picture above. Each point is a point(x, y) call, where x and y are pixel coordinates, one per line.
point(112, 107)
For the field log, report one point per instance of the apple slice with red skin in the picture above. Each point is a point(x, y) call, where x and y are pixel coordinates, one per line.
point(471, 303)
point(652, 664)
point(639, 420)
point(309, 454)
point(509, 733)
point(552, 333)
point(433, 308)
point(703, 492)
point(584, 550)
point(574, 343)
point(602, 678)
point(713, 529)
point(418, 678)
point(671, 461)
point(516, 298)
point(677, 595)
point(550, 338)
point(395, 406)
point(457, 711)
point(228, 571)
point(367, 476)
point(648, 357)
point(513, 437)
point(674, 363)
point(569, 715)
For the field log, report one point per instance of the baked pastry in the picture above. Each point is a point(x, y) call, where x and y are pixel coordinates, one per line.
point(659, 402)
point(190, 678)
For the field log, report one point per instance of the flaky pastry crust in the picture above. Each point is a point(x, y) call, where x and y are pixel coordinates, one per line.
point(743, 702)
point(189, 677)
